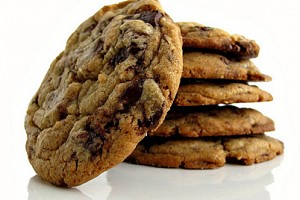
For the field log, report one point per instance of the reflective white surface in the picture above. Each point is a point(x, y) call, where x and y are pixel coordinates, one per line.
point(33, 32)
point(127, 181)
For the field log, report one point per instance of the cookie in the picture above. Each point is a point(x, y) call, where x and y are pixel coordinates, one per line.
point(181, 153)
point(215, 92)
point(211, 39)
point(113, 83)
point(205, 153)
point(215, 66)
point(213, 121)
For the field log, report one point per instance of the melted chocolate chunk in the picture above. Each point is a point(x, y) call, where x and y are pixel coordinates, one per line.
point(204, 28)
point(133, 49)
point(151, 17)
point(62, 108)
point(110, 125)
point(120, 56)
point(152, 122)
point(94, 142)
point(132, 94)
point(101, 124)
point(124, 54)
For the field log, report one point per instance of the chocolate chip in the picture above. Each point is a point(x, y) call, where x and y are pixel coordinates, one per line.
point(110, 125)
point(132, 94)
point(204, 28)
point(124, 53)
point(94, 144)
point(154, 119)
point(133, 49)
point(93, 140)
point(151, 17)
point(119, 57)
point(62, 108)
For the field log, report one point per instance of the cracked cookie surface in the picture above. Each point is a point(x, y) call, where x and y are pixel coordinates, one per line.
point(114, 82)
point(205, 153)
point(213, 92)
point(195, 35)
point(213, 121)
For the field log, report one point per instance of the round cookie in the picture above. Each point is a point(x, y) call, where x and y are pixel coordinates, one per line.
point(214, 66)
point(195, 35)
point(214, 92)
point(113, 83)
point(205, 153)
point(213, 121)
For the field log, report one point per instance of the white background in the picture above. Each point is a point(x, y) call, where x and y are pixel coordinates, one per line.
point(33, 32)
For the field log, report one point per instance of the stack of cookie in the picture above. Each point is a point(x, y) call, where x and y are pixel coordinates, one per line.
point(202, 131)
point(116, 80)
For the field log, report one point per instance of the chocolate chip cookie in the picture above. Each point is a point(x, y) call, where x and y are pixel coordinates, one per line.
point(213, 121)
point(195, 35)
point(179, 153)
point(215, 66)
point(207, 92)
point(205, 153)
point(113, 83)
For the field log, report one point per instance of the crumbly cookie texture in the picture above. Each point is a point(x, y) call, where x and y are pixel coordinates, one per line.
point(195, 35)
point(213, 121)
point(205, 153)
point(205, 92)
point(113, 83)
point(215, 66)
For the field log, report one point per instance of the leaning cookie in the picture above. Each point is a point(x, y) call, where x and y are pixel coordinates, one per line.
point(214, 66)
point(113, 83)
point(213, 92)
point(198, 36)
point(213, 121)
point(207, 153)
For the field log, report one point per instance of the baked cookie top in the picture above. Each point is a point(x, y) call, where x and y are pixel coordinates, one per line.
point(113, 83)
point(195, 35)
point(215, 66)
point(213, 121)
point(213, 92)
point(205, 153)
